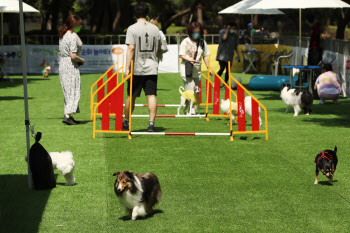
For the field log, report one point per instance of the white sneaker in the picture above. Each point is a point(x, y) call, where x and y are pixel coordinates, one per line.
point(321, 102)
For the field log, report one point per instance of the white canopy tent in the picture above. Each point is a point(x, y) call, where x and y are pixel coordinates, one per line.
point(12, 6)
point(299, 4)
point(17, 6)
point(243, 8)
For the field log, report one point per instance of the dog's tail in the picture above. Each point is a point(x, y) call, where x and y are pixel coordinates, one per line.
point(181, 88)
point(156, 192)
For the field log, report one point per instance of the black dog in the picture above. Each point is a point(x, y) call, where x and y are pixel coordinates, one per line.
point(326, 162)
point(307, 99)
point(41, 166)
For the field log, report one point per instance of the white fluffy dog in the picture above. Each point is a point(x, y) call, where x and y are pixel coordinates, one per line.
point(65, 164)
point(225, 106)
point(296, 99)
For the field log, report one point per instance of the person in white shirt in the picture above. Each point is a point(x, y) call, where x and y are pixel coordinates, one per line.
point(192, 49)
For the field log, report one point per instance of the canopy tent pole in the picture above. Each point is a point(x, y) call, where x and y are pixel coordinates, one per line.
point(301, 57)
point(25, 91)
point(251, 35)
point(2, 32)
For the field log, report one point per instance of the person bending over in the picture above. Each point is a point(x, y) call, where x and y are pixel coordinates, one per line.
point(328, 85)
point(144, 43)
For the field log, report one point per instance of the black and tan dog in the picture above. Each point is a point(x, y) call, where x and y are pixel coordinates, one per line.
point(326, 162)
point(138, 193)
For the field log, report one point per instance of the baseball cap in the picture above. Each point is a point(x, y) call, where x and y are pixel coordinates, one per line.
point(249, 24)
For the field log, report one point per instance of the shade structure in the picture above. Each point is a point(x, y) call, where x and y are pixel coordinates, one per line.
point(17, 6)
point(299, 4)
point(243, 7)
point(12, 6)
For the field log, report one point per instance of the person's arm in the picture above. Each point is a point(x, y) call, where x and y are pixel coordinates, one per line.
point(189, 59)
point(206, 61)
point(248, 37)
point(76, 58)
point(236, 50)
point(129, 55)
point(226, 33)
point(73, 48)
point(316, 83)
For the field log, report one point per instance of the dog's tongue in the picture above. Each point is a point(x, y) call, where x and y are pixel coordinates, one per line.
point(121, 193)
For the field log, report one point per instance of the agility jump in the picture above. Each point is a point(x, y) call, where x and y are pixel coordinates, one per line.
point(111, 104)
point(240, 99)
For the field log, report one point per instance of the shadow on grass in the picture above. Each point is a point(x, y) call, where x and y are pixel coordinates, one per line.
point(157, 129)
point(2, 98)
point(268, 96)
point(150, 215)
point(64, 184)
point(326, 182)
point(19, 82)
point(21, 208)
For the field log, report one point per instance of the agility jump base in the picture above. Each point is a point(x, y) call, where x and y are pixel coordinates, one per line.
point(240, 97)
point(109, 95)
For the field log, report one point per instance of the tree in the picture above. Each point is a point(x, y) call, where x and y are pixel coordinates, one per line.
point(343, 20)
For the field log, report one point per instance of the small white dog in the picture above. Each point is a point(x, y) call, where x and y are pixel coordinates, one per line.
point(65, 164)
point(225, 106)
point(188, 99)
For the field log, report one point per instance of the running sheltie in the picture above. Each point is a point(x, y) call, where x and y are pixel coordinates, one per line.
point(138, 193)
point(296, 99)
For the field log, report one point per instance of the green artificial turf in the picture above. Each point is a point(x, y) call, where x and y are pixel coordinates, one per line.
point(209, 184)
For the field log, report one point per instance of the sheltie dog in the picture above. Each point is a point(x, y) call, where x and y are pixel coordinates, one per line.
point(138, 193)
point(296, 99)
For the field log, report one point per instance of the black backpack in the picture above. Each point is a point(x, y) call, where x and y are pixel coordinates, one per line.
point(41, 166)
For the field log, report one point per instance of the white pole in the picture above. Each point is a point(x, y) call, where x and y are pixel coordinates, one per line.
point(251, 35)
point(25, 91)
point(169, 116)
point(2, 32)
point(300, 37)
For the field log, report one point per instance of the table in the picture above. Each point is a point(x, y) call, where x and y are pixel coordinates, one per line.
point(251, 59)
point(309, 78)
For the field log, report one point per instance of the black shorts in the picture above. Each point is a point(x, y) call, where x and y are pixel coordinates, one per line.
point(146, 82)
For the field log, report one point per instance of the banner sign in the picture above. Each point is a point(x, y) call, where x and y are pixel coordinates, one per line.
point(12, 59)
point(98, 58)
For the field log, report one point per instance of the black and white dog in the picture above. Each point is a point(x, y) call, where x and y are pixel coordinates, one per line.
point(296, 99)
point(137, 192)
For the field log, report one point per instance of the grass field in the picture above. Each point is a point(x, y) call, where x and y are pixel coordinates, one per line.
point(209, 184)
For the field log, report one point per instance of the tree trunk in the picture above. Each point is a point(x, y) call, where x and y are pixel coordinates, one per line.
point(343, 20)
point(55, 5)
point(45, 15)
point(116, 19)
point(255, 21)
point(200, 13)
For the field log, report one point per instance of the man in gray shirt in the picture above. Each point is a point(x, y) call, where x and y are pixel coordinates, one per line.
point(144, 47)
point(228, 43)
